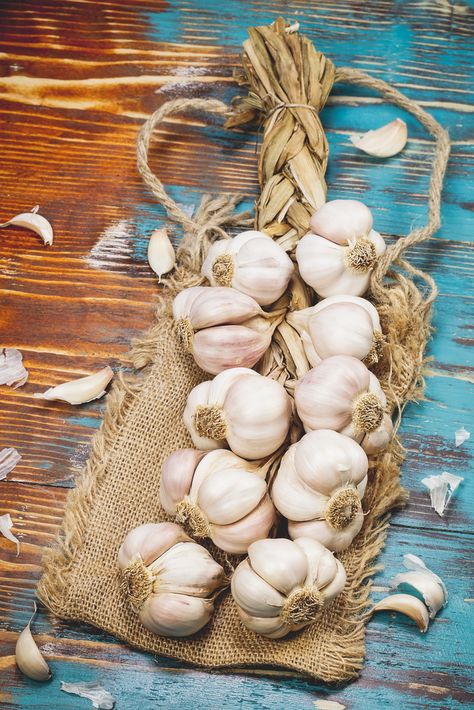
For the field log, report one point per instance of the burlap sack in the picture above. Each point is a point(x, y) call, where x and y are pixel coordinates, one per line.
point(142, 425)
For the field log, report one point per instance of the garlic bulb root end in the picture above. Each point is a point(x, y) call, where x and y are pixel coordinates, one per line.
point(361, 255)
point(367, 412)
point(209, 422)
point(302, 606)
point(185, 334)
point(342, 508)
point(191, 516)
point(137, 583)
point(223, 269)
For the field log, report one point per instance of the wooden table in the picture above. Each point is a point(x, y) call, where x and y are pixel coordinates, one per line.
point(77, 80)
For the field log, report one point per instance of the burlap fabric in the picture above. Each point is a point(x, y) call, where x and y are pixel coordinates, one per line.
point(119, 487)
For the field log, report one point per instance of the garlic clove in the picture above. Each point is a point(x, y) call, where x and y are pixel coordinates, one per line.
point(321, 531)
point(321, 265)
point(80, 391)
point(378, 440)
point(149, 541)
point(405, 604)
point(254, 594)
point(175, 615)
point(294, 499)
point(12, 371)
point(279, 562)
point(28, 656)
point(9, 458)
point(161, 255)
point(336, 585)
point(186, 568)
point(342, 329)
point(206, 307)
point(214, 462)
point(322, 565)
point(228, 496)
point(35, 222)
point(226, 346)
point(177, 476)
point(6, 525)
point(355, 300)
point(339, 221)
point(425, 585)
point(271, 627)
point(237, 537)
point(384, 142)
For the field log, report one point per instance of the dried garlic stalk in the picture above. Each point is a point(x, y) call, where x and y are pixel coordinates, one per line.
point(385, 141)
point(35, 222)
point(5, 529)
point(101, 698)
point(8, 460)
point(12, 370)
point(441, 489)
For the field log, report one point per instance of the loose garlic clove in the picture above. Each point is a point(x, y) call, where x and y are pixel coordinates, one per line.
point(424, 581)
point(161, 255)
point(341, 394)
point(80, 391)
point(339, 325)
point(168, 580)
point(28, 656)
point(384, 142)
point(35, 222)
point(239, 408)
point(251, 263)
point(279, 587)
point(221, 498)
point(405, 604)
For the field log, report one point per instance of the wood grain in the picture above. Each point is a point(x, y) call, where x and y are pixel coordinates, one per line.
point(76, 81)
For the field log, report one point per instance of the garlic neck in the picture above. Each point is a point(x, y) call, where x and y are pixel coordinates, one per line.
point(223, 269)
point(209, 422)
point(185, 334)
point(342, 508)
point(302, 606)
point(192, 517)
point(367, 412)
point(361, 255)
point(375, 352)
point(137, 583)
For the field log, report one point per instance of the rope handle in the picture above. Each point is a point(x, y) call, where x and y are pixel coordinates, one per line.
point(344, 74)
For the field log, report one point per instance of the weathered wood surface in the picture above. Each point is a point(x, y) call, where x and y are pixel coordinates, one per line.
point(76, 80)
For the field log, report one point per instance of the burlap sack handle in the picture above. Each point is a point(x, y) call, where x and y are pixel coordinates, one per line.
point(194, 227)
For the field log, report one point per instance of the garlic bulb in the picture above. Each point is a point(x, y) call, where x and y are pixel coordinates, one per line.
point(319, 486)
point(340, 253)
point(169, 580)
point(339, 325)
point(217, 495)
point(252, 263)
point(341, 394)
point(283, 585)
point(221, 327)
point(240, 409)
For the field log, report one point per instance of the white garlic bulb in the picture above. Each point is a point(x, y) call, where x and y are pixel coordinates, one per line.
point(221, 327)
point(168, 579)
point(341, 394)
point(283, 585)
point(339, 325)
point(318, 487)
point(252, 263)
point(337, 257)
point(217, 495)
point(240, 409)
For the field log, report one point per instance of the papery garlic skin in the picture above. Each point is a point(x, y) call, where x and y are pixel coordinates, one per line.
point(283, 585)
point(36, 222)
point(219, 496)
point(339, 325)
point(383, 142)
point(161, 255)
point(168, 579)
point(240, 409)
point(338, 256)
point(80, 391)
point(319, 486)
point(343, 395)
point(251, 263)
point(221, 327)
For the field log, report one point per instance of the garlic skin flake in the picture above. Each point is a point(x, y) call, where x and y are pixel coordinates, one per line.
point(319, 487)
point(424, 581)
point(461, 435)
point(85, 389)
point(343, 395)
point(9, 458)
point(6, 525)
point(28, 656)
point(12, 370)
point(100, 697)
point(405, 604)
point(251, 263)
point(283, 585)
point(35, 222)
point(239, 409)
point(384, 142)
point(441, 488)
point(338, 256)
point(339, 325)
point(221, 327)
point(161, 255)
point(168, 579)
point(217, 495)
